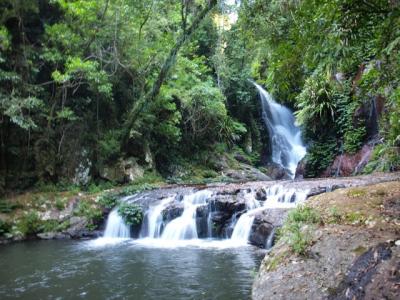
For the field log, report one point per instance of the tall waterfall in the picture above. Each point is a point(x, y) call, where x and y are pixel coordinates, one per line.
point(285, 137)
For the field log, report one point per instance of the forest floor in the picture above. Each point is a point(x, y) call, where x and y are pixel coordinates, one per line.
point(353, 251)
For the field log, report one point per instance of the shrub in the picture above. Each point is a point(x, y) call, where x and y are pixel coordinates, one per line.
point(90, 211)
point(108, 200)
point(29, 223)
point(131, 213)
point(297, 230)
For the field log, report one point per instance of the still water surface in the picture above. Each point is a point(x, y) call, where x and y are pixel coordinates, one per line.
point(125, 270)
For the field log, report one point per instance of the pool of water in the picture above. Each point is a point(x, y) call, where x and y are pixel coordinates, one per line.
point(131, 269)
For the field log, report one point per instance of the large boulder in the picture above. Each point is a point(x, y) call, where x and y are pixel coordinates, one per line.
point(122, 171)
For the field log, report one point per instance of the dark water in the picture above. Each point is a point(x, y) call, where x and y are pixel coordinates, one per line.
point(76, 270)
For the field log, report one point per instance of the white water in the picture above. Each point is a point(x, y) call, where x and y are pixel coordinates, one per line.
point(242, 229)
point(182, 231)
point(285, 137)
point(154, 219)
point(277, 197)
point(184, 227)
point(116, 226)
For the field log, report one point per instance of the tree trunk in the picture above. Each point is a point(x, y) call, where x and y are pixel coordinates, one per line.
point(168, 63)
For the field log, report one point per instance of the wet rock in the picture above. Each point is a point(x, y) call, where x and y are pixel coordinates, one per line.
point(260, 231)
point(172, 211)
point(261, 194)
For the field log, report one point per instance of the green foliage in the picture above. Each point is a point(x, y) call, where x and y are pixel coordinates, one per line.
point(354, 139)
point(93, 213)
point(60, 203)
point(5, 227)
point(53, 226)
point(108, 200)
point(131, 213)
point(29, 223)
point(319, 157)
point(298, 227)
point(8, 206)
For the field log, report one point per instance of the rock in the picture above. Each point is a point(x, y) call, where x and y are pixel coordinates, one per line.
point(261, 194)
point(301, 169)
point(123, 171)
point(277, 172)
point(53, 236)
point(241, 158)
point(247, 173)
point(82, 171)
point(260, 231)
point(349, 164)
point(172, 211)
point(77, 226)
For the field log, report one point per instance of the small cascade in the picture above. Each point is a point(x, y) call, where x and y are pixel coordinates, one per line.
point(209, 220)
point(153, 219)
point(116, 228)
point(285, 137)
point(184, 227)
point(280, 197)
point(242, 229)
point(277, 197)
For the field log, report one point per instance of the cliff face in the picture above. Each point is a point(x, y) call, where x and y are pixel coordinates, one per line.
point(353, 252)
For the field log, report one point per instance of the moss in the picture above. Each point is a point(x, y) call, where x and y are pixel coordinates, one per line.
point(356, 192)
point(359, 250)
point(355, 218)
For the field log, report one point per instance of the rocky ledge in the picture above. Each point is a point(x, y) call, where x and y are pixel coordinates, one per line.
point(352, 252)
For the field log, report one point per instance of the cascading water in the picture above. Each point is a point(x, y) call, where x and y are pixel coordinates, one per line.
point(116, 227)
point(277, 197)
point(153, 219)
point(184, 227)
point(285, 137)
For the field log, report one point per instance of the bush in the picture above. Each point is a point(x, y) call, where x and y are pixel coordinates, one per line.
point(90, 211)
point(297, 229)
point(30, 223)
point(131, 213)
point(108, 200)
point(354, 139)
point(319, 157)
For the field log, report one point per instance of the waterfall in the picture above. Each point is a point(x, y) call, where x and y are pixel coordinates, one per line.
point(116, 228)
point(153, 219)
point(285, 137)
point(196, 220)
point(242, 229)
point(184, 227)
point(277, 197)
